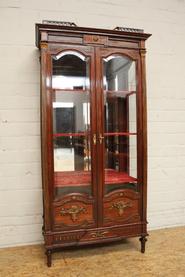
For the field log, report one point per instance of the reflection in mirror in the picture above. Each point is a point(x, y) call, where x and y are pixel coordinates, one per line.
point(63, 116)
point(70, 71)
point(119, 74)
point(71, 128)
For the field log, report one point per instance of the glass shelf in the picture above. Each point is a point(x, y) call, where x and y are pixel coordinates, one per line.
point(85, 134)
point(70, 90)
point(118, 93)
point(119, 134)
point(70, 135)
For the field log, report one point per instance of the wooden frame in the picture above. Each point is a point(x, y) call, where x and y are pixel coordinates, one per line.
point(97, 217)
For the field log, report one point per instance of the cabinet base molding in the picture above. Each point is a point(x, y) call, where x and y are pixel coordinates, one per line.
point(56, 241)
point(93, 236)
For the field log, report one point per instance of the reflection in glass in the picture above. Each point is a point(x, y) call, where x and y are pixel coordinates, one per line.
point(119, 73)
point(71, 123)
point(70, 71)
point(120, 123)
point(133, 156)
point(131, 102)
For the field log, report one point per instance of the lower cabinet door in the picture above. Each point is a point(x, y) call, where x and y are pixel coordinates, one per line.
point(74, 212)
point(121, 207)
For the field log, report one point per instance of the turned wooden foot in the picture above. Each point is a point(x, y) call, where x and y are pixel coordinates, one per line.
point(143, 240)
point(48, 254)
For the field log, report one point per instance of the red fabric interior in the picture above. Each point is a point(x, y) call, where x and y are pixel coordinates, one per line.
point(83, 178)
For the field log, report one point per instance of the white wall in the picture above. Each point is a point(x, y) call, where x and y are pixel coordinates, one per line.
point(20, 180)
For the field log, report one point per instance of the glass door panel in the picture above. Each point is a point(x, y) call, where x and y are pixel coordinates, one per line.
point(120, 130)
point(71, 123)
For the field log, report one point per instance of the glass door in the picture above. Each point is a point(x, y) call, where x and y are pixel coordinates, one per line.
point(72, 123)
point(74, 204)
point(94, 133)
point(120, 130)
point(118, 136)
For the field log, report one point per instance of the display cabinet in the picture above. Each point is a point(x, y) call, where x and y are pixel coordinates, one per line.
point(93, 134)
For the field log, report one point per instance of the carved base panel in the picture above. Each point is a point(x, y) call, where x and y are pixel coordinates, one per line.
point(73, 212)
point(96, 235)
point(121, 207)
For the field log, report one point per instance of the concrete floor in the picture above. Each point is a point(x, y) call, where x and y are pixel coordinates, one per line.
point(164, 256)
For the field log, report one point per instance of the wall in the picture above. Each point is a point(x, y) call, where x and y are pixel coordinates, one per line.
point(20, 177)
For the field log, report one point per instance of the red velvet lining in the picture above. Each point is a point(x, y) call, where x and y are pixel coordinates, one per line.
point(83, 178)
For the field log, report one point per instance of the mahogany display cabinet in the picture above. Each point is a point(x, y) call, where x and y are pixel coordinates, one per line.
point(93, 134)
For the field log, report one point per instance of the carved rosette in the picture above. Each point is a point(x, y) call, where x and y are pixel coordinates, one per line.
point(43, 45)
point(73, 212)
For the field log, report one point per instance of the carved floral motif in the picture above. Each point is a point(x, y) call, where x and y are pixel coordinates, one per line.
point(74, 211)
point(99, 234)
point(121, 206)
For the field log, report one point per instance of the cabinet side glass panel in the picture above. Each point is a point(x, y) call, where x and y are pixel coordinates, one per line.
point(120, 130)
point(71, 124)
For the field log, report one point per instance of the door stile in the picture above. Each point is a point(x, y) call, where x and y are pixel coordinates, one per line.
point(140, 153)
point(45, 137)
point(142, 77)
point(139, 112)
point(93, 116)
point(100, 145)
